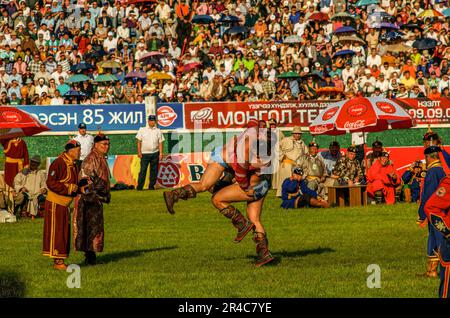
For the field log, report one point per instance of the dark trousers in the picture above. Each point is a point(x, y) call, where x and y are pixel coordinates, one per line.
point(151, 159)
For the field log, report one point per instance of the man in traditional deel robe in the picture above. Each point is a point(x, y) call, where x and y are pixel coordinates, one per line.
point(382, 177)
point(16, 158)
point(88, 230)
point(62, 185)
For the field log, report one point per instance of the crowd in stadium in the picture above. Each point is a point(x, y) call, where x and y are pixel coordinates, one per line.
point(100, 52)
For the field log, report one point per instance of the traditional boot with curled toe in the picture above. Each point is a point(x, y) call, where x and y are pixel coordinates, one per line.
point(239, 221)
point(172, 197)
point(432, 265)
point(262, 249)
point(59, 264)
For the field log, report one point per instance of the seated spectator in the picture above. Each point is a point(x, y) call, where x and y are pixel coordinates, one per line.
point(348, 171)
point(30, 189)
point(412, 179)
point(382, 180)
point(330, 157)
point(314, 168)
point(375, 154)
point(296, 194)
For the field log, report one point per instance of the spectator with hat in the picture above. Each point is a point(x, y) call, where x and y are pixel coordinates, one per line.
point(30, 189)
point(150, 150)
point(86, 140)
point(412, 181)
point(291, 150)
point(314, 169)
point(330, 157)
point(382, 180)
point(347, 170)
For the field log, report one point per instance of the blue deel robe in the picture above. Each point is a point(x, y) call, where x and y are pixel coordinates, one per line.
point(292, 192)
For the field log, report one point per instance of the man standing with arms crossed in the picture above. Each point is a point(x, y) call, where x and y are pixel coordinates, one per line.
point(150, 150)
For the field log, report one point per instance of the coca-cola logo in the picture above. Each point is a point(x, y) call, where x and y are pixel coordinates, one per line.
point(204, 114)
point(166, 116)
point(357, 110)
point(319, 129)
point(354, 124)
point(385, 107)
point(11, 116)
point(330, 113)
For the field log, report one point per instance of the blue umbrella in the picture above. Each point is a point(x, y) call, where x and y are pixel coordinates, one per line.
point(229, 19)
point(202, 19)
point(392, 35)
point(384, 25)
point(74, 93)
point(345, 29)
point(343, 52)
point(362, 3)
point(425, 44)
point(81, 67)
point(379, 16)
point(446, 12)
point(237, 30)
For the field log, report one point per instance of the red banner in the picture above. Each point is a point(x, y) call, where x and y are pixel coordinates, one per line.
point(221, 115)
point(236, 115)
point(427, 111)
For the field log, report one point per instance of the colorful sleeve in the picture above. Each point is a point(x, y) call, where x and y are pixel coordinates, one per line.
point(56, 174)
point(308, 191)
point(436, 208)
point(407, 175)
point(290, 186)
point(431, 183)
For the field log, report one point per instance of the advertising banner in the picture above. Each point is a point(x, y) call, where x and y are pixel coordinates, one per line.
point(236, 115)
point(175, 170)
point(111, 118)
point(170, 116)
point(427, 111)
point(221, 115)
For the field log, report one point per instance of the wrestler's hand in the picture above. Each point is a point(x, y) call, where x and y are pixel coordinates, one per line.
point(249, 192)
point(350, 183)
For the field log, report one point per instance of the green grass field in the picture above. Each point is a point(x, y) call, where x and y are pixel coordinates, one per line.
point(149, 253)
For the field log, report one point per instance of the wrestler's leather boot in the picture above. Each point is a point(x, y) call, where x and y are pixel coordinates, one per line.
point(239, 221)
point(59, 264)
point(262, 249)
point(184, 193)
